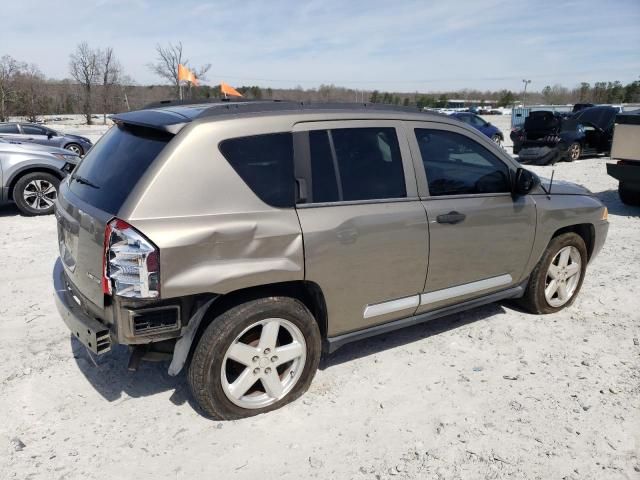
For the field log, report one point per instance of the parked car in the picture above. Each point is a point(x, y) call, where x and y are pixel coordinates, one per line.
point(244, 239)
point(30, 175)
point(30, 132)
point(548, 137)
point(626, 150)
point(478, 123)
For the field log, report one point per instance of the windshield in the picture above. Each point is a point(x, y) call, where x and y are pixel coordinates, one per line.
point(112, 168)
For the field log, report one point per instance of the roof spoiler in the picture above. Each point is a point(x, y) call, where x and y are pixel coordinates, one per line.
point(162, 120)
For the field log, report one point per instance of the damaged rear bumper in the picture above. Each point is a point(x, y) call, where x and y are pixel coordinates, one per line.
point(92, 334)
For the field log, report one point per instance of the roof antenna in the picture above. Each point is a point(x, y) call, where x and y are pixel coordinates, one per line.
point(551, 181)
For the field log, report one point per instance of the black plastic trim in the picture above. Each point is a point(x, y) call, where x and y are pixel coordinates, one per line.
point(334, 343)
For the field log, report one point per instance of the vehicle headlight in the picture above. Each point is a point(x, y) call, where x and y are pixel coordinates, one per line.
point(67, 157)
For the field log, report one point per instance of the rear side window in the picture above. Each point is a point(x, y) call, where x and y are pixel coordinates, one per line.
point(350, 164)
point(9, 128)
point(265, 163)
point(112, 168)
point(457, 165)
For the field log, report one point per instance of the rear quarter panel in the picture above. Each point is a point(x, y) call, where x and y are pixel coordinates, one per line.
point(214, 234)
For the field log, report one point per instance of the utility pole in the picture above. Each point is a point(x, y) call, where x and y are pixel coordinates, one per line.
point(524, 96)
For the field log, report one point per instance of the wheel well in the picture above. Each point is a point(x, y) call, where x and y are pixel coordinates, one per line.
point(308, 293)
point(27, 171)
point(585, 230)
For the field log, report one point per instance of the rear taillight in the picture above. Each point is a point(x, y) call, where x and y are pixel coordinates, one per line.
point(131, 266)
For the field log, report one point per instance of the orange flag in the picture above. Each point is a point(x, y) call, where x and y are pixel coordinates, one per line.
point(183, 72)
point(229, 90)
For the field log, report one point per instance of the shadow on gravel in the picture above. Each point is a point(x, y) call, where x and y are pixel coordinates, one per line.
point(9, 211)
point(612, 200)
point(373, 345)
point(108, 374)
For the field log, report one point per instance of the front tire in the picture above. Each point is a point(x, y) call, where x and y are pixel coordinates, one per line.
point(35, 193)
point(557, 278)
point(497, 139)
point(628, 196)
point(75, 148)
point(254, 358)
point(573, 152)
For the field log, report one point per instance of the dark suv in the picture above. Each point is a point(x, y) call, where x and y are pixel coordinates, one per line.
point(548, 137)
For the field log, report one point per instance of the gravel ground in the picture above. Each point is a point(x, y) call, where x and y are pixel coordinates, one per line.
point(491, 393)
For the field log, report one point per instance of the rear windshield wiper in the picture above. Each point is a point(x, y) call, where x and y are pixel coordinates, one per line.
point(83, 181)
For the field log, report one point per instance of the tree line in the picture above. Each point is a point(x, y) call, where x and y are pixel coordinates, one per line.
point(97, 83)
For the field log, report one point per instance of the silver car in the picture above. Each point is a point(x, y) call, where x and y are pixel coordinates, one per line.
point(30, 175)
point(32, 133)
point(242, 240)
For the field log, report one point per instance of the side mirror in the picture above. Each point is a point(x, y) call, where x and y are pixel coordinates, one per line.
point(525, 181)
point(50, 135)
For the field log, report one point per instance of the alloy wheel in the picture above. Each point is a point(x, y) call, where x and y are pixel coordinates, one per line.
point(39, 194)
point(563, 276)
point(574, 151)
point(74, 149)
point(263, 363)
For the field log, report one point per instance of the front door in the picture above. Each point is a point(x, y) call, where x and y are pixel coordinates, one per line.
point(480, 236)
point(364, 227)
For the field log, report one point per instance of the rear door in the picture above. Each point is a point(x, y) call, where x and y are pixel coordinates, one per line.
point(9, 131)
point(480, 236)
point(364, 227)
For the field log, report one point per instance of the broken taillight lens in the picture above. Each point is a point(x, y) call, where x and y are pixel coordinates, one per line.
point(131, 266)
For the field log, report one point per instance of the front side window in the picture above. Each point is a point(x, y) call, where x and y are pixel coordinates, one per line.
point(33, 130)
point(265, 163)
point(9, 128)
point(351, 164)
point(457, 165)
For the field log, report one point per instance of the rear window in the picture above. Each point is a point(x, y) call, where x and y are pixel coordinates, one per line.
point(111, 169)
point(265, 163)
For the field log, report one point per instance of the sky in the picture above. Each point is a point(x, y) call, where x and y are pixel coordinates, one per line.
point(386, 45)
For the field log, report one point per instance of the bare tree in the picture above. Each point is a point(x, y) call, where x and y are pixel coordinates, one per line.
point(111, 71)
point(9, 67)
point(32, 95)
point(166, 66)
point(85, 69)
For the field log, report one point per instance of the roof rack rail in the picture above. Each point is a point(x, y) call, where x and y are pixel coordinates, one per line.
point(265, 107)
point(199, 101)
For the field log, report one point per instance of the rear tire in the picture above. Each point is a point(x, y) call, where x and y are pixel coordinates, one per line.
point(540, 296)
point(35, 193)
point(628, 196)
point(236, 370)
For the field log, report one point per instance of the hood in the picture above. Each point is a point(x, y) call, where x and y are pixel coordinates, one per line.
point(561, 187)
point(12, 145)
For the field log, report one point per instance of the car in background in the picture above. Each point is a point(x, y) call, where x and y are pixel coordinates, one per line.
point(478, 123)
point(30, 132)
point(548, 137)
point(30, 175)
point(626, 150)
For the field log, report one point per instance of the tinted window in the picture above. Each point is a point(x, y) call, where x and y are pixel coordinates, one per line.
point(265, 163)
point(349, 164)
point(33, 130)
point(115, 164)
point(457, 165)
point(9, 128)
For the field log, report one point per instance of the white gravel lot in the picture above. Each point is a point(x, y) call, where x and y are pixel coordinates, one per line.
point(492, 393)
